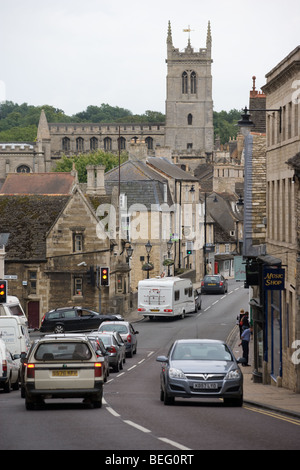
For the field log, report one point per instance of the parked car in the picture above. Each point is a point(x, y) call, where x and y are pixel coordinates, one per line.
point(115, 346)
point(214, 283)
point(63, 367)
point(200, 368)
point(198, 299)
point(72, 319)
point(127, 333)
point(9, 369)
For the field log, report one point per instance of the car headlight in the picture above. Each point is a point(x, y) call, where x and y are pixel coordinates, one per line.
point(176, 373)
point(233, 374)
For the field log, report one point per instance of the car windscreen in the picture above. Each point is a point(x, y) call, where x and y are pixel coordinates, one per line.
point(106, 339)
point(108, 327)
point(62, 351)
point(201, 351)
point(211, 279)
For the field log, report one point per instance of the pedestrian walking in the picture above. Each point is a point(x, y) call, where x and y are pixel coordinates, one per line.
point(246, 334)
point(239, 319)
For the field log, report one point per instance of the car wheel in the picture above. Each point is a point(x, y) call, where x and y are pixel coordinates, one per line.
point(233, 401)
point(168, 400)
point(97, 402)
point(16, 385)
point(130, 353)
point(59, 329)
point(117, 367)
point(7, 386)
point(162, 395)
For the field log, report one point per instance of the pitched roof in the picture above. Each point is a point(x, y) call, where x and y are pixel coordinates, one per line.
point(133, 170)
point(38, 183)
point(28, 219)
point(164, 166)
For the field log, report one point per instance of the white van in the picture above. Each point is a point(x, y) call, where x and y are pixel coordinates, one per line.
point(13, 307)
point(165, 297)
point(15, 335)
point(9, 369)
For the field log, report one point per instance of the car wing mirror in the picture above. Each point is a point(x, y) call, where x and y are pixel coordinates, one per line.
point(162, 359)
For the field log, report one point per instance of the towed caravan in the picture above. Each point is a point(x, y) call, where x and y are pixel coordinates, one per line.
point(165, 297)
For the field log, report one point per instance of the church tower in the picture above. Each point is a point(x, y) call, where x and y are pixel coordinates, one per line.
point(189, 107)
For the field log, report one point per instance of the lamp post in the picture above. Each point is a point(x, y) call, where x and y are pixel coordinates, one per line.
point(169, 247)
point(148, 247)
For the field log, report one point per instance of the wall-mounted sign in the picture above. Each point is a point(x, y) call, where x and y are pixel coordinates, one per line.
point(273, 279)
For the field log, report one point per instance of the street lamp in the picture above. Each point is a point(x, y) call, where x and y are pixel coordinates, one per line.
point(148, 247)
point(129, 251)
point(169, 247)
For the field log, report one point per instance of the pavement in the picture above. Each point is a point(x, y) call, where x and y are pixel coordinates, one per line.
point(269, 397)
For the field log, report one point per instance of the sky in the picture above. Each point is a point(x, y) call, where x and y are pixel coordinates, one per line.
point(72, 54)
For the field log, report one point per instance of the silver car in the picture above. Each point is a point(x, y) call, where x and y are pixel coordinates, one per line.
point(115, 346)
point(201, 368)
point(126, 331)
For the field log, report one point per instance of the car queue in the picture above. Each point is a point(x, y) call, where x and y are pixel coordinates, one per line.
point(78, 348)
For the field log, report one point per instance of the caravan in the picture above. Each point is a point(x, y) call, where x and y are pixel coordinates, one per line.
point(165, 297)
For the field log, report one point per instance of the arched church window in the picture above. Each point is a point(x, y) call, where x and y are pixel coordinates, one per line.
point(190, 119)
point(149, 143)
point(122, 143)
point(79, 144)
point(107, 143)
point(66, 144)
point(184, 82)
point(93, 143)
point(193, 83)
point(23, 169)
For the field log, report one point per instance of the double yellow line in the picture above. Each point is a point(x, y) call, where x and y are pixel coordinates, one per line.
point(272, 414)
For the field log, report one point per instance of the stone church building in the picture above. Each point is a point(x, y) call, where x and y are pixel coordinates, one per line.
point(187, 136)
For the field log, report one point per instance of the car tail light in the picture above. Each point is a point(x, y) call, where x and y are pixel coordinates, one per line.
point(141, 309)
point(202, 283)
point(42, 319)
point(111, 349)
point(4, 366)
point(168, 310)
point(98, 369)
point(129, 338)
point(30, 371)
point(221, 283)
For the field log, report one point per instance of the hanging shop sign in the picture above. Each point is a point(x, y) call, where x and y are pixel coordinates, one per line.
point(273, 279)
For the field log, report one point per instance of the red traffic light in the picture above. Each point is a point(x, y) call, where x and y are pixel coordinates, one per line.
point(3, 292)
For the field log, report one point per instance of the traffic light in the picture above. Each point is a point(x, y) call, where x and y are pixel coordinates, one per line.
point(189, 248)
point(104, 276)
point(3, 291)
point(90, 276)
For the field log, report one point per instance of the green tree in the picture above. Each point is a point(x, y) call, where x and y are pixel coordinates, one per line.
point(225, 124)
point(109, 160)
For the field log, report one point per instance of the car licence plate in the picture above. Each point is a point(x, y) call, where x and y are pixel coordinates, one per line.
point(64, 373)
point(211, 284)
point(154, 310)
point(206, 386)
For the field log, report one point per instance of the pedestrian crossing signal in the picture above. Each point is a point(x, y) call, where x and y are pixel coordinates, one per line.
point(3, 292)
point(104, 276)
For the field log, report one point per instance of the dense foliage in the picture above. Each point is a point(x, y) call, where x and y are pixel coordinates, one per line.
point(19, 122)
point(109, 160)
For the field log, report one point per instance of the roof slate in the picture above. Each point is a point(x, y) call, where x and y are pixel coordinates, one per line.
point(38, 183)
point(28, 219)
